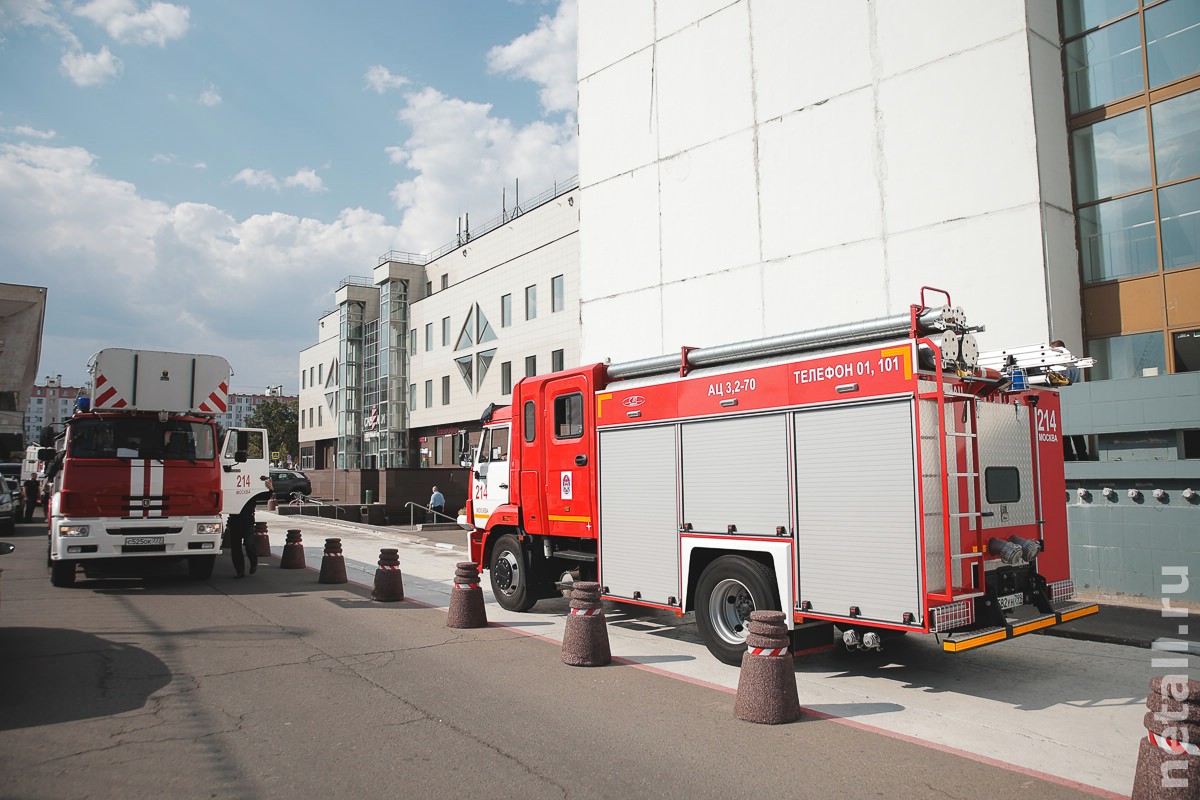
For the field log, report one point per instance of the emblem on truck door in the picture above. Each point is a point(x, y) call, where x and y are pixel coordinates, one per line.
point(633, 401)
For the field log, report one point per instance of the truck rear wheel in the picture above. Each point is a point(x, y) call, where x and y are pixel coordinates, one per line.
point(729, 589)
point(62, 573)
point(200, 568)
point(510, 575)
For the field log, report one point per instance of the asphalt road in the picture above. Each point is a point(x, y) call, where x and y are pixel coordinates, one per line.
point(277, 686)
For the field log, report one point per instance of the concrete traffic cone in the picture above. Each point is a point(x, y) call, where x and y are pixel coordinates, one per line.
point(262, 541)
point(1168, 765)
point(389, 582)
point(766, 690)
point(466, 598)
point(293, 551)
point(333, 563)
point(585, 642)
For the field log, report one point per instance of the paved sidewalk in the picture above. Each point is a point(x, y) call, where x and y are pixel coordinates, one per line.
point(1133, 624)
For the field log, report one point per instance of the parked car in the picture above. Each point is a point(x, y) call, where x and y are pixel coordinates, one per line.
point(286, 481)
point(12, 505)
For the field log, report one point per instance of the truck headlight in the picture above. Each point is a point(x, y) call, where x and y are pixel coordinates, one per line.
point(72, 530)
point(208, 528)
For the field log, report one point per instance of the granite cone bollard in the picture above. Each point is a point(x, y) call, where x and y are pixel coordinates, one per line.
point(585, 640)
point(333, 563)
point(1168, 765)
point(466, 598)
point(293, 551)
point(766, 691)
point(262, 540)
point(389, 581)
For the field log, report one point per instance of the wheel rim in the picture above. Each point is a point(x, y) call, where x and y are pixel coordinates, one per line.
point(506, 572)
point(729, 610)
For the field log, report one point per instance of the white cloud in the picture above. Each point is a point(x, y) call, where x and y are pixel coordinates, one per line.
point(545, 56)
point(28, 132)
point(464, 157)
point(306, 179)
point(381, 79)
point(90, 69)
point(257, 179)
point(163, 158)
point(35, 14)
point(126, 271)
point(210, 97)
point(396, 155)
point(126, 23)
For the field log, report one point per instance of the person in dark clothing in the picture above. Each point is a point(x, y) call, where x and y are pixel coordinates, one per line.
point(240, 534)
point(32, 490)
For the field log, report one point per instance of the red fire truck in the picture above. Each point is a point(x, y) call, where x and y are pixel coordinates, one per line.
point(136, 474)
point(867, 476)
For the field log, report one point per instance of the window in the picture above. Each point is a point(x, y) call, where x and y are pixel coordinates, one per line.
point(412, 395)
point(506, 377)
point(445, 331)
point(568, 416)
point(319, 422)
point(428, 336)
point(1186, 346)
point(428, 288)
point(530, 421)
point(303, 379)
point(556, 361)
point(531, 302)
point(556, 293)
point(493, 445)
point(1135, 356)
point(484, 361)
point(412, 342)
point(1003, 484)
point(530, 366)
point(437, 442)
point(320, 376)
point(506, 311)
point(429, 394)
point(445, 390)
point(445, 280)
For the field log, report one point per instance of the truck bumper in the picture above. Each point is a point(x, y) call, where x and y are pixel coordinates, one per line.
point(123, 538)
point(969, 640)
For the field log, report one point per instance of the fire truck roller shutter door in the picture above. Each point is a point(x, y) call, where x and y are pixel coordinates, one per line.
point(856, 526)
point(639, 540)
point(735, 472)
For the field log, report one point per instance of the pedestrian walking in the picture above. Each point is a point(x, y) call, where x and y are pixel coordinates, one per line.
point(437, 504)
point(32, 491)
point(239, 532)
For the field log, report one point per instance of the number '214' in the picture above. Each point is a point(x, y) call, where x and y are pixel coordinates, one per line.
point(1047, 421)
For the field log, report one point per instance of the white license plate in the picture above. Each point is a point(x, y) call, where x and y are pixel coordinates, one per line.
point(1010, 601)
point(134, 540)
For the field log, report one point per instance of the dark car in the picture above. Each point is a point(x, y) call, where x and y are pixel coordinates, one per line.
point(286, 481)
point(12, 505)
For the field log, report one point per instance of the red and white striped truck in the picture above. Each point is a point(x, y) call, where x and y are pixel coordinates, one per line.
point(868, 476)
point(137, 474)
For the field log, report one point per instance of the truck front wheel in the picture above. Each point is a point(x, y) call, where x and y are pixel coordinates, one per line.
point(62, 573)
point(729, 589)
point(510, 575)
point(200, 568)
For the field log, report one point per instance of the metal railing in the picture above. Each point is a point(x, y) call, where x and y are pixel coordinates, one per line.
point(413, 506)
point(507, 215)
point(304, 501)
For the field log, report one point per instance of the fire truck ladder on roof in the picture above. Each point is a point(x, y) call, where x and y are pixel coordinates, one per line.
point(961, 513)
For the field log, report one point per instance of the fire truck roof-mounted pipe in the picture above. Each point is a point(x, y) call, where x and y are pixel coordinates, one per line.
point(946, 326)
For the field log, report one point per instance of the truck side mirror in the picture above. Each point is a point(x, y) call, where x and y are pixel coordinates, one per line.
point(240, 456)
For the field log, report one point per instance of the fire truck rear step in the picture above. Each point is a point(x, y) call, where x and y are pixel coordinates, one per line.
point(968, 640)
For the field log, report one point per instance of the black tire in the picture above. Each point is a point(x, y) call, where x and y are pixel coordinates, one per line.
point(510, 575)
point(200, 568)
point(62, 573)
point(729, 589)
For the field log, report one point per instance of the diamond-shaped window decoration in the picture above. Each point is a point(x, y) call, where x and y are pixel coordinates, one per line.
point(483, 329)
point(484, 360)
point(464, 368)
point(333, 372)
point(331, 401)
point(464, 336)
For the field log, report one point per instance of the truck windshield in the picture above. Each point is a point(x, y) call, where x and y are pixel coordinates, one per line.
point(140, 437)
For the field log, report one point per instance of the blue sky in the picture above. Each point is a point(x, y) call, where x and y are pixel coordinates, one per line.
point(199, 176)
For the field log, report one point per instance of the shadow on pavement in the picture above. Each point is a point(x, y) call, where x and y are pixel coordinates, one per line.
point(56, 675)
